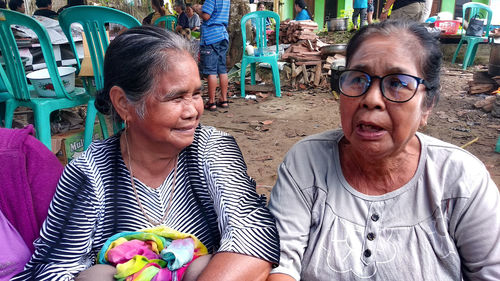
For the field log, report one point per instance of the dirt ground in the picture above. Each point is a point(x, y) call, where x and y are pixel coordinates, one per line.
point(267, 127)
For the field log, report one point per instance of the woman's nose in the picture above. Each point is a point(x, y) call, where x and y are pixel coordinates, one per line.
point(373, 98)
point(190, 109)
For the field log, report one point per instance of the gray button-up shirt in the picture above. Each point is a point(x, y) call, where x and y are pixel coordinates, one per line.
point(444, 224)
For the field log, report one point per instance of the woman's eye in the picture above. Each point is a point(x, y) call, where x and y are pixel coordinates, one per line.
point(359, 80)
point(396, 83)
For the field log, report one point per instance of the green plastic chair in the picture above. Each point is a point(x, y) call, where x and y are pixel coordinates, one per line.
point(5, 93)
point(93, 20)
point(23, 94)
point(475, 10)
point(497, 148)
point(262, 53)
point(169, 20)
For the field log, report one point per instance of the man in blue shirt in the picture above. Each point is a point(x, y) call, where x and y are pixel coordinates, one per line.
point(213, 48)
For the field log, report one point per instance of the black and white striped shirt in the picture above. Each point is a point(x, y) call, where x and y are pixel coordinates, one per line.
point(214, 199)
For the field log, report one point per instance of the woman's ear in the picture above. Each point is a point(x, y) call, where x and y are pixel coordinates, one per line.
point(120, 102)
point(425, 115)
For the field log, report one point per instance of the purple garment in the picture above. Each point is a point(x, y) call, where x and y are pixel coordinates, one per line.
point(14, 253)
point(28, 175)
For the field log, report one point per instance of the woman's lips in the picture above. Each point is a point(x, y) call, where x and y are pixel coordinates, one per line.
point(186, 129)
point(370, 131)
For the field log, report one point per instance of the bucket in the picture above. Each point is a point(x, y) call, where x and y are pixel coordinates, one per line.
point(338, 24)
point(494, 64)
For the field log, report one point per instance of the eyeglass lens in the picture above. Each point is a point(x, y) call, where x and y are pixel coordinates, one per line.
point(395, 87)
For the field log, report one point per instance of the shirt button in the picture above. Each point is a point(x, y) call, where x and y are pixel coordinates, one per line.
point(370, 236)
point(374, 217)
point(367, 253)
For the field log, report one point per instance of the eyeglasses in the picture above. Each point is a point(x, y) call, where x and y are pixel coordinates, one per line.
point(395, 87)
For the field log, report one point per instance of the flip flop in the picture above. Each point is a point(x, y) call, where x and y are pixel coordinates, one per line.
point(223, 104)
point(211, 106)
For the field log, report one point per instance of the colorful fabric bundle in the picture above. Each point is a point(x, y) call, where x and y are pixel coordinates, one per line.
point(156, 254)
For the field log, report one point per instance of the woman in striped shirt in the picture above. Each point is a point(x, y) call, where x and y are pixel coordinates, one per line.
point(163, 169)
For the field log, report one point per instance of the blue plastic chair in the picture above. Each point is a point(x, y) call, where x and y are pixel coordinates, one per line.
point(262, 52)
point(480, 11)
point(93, 20)
point(169, 22)
point(23, 94)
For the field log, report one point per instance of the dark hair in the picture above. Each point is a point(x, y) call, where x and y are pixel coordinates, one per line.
point(72, 3)
point(43, 3)
point(134, 60)
point(409, 32)
point(3, 5)
point(158, 4)
point(181, 4)
point(303, 6)
point(15, 4)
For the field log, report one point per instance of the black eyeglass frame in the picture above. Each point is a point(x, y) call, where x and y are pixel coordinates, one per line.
point(418, 79)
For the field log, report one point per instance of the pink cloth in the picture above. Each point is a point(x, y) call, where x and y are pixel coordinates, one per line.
point(126, 251)
point(28, 177)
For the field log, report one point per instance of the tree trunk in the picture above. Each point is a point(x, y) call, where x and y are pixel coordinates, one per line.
point(239, 8)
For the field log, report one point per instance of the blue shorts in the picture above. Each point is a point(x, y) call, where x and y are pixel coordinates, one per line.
point(213, 58)
point(370, 7)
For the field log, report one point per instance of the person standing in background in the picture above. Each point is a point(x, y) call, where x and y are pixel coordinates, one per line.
point(214, 44)
point(369, 11)
point(360, 7)
point(302, 11)
point(159, 11)
point(404, 9)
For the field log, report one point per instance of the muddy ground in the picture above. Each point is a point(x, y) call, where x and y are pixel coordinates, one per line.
point(266, 128)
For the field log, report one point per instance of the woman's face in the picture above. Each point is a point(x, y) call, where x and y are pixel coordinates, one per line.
point(375, 126)
point(261, 7)
point(297, 8)
point(174, 108)
point(21, 9)
point(189, 11)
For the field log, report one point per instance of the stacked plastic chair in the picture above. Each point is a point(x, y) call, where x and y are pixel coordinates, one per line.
point(93, 20)
point(23, 93)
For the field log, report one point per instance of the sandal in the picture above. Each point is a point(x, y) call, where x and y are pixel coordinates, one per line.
point(223, 104)
point(211, 106)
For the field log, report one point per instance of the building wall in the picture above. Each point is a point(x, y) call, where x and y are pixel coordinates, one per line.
point(286, 10)
point(449, 5)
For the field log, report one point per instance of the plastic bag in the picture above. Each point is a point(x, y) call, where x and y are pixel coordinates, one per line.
point(475, 27)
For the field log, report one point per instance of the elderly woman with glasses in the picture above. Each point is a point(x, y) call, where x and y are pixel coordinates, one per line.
point(378, 200)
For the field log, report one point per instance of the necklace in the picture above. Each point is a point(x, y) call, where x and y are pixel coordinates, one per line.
point(155, 223)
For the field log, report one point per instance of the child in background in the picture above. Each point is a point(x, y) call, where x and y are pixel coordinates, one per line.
point(214, 44)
